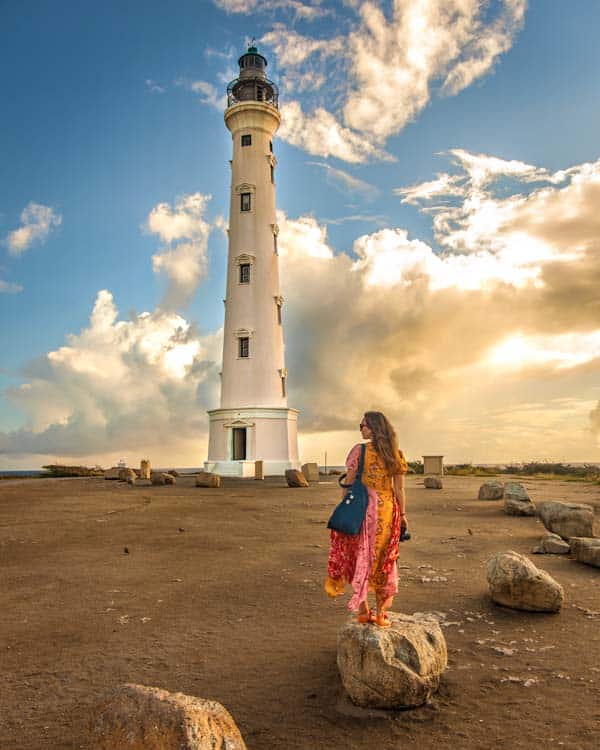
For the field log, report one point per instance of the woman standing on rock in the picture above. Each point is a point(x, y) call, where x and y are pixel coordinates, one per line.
point(368, 560)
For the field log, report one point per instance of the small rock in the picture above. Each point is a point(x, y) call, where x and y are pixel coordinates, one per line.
point(207, 479)
point(586, 550)
point(516, 500)
point(160, 478)
point(553, 544)
point(135, 716)
point(515, 582)
point(395, 667)
point(311, 472)
point(491, 491)
point(516, 491)
point(433, 483)
point(295, 478)
point(567, 519)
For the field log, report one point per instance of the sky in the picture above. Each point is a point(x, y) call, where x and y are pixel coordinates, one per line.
point(438, 187)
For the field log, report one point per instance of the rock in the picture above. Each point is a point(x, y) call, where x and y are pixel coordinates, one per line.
point(145, 471)
point(517, 501)
point(395, 667)
point(491, 491)
point(516, 582)
point(567, 519)
point(516, 491)
point(161, 477)
point(552, 544)
point(295, 478)
point(173, 472)
point(433, 483)
point(586, 550)
point(311, 472)
point(206, 479)
point(134, 716)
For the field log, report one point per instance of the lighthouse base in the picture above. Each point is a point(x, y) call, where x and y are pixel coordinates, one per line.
point(239, 437)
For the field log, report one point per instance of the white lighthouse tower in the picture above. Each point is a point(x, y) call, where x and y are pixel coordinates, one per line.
point(253, 421)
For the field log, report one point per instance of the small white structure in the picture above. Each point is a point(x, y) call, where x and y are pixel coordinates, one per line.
point(253, 421)
point(433, 465)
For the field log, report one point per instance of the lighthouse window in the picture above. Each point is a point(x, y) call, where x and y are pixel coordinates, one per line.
point(271, 146)
point(245, 201)
point(244, 347)
point(246, 140)
point(244, 273)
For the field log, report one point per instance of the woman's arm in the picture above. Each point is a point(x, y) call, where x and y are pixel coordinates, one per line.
point(350, 477)
point(400, 496)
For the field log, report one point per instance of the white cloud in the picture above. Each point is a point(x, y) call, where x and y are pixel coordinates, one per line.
point(345, 182)
point(37, 222)
point(396, 62)
point(9, 287)
point(444, 185)
point(209, 94)
point(119, 385)
point(321, 134)
point(153, 87)
point(185, 263)
point(307, 11)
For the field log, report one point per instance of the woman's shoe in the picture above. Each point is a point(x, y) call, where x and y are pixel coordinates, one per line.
point(334, 587)
point(365, 618)
point(382, 620)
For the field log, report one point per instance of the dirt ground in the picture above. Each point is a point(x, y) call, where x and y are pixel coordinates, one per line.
point(220, 596)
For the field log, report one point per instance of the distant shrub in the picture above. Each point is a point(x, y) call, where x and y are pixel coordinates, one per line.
point(415, 467)
point(468, 470)
point(59, 470)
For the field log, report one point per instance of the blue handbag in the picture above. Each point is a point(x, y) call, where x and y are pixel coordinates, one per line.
point(349, 515)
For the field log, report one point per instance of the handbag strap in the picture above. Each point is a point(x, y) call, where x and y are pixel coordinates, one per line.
point(361, 466)
point(361, 462)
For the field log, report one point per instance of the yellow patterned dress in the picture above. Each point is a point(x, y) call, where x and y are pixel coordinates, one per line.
point(368, 560)
point(376, 477)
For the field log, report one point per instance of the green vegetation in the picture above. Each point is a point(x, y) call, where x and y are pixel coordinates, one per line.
point(533, 469)
point(58, 470)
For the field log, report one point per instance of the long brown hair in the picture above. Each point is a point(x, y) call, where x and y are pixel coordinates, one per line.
point(384, 440)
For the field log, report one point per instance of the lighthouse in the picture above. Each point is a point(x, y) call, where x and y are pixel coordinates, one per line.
point(253, 421)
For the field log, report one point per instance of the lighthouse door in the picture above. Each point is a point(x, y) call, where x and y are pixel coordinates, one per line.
point(239, 444)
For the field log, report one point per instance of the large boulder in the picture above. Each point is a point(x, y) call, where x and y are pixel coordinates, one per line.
point(567, 519)
point(492, 490)
point(515, 582)
point(516, 500)
point(133, 717)
point(207, 479)
point(586, 550)
point(395, 667)
point(311, 472)
point(433, 483)
point(295, 478)
point(552, 544)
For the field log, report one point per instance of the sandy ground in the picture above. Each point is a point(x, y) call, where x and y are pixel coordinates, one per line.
point(220, 596)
